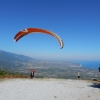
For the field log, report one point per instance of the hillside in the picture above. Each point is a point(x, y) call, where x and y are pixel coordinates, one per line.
point(22, 64)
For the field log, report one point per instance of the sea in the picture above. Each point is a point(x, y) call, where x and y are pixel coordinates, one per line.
point(94, 64)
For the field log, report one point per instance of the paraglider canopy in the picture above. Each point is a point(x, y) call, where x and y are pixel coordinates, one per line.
point(26, 31)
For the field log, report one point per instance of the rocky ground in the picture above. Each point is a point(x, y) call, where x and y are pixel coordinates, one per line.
point(49, 89)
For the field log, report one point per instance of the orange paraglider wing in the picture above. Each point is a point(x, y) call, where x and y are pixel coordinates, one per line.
point(26, 31)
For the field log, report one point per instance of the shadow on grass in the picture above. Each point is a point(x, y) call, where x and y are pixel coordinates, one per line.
point(95, 85)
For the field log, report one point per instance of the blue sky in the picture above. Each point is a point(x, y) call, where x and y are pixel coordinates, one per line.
point(77, 22)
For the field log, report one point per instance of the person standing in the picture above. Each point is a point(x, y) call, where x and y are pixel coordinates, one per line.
point(32, 74)
point(78, 75)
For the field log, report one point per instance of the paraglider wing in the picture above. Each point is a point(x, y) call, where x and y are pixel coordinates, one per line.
point(24, 32)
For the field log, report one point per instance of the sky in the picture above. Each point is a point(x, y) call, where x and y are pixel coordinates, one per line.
point(77, 22)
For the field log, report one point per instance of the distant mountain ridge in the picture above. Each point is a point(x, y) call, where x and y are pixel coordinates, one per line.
point(4, 55)
point(13, 61)
point(10, 60)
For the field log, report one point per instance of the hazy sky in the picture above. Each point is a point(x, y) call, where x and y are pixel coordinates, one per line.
point(77, 22)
